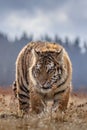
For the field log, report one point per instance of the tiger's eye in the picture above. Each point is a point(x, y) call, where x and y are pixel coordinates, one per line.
point(38, 66)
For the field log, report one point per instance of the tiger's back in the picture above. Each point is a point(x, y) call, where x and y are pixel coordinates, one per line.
point(43, 72)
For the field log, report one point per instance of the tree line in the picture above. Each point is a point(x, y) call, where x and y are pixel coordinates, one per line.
point(25, 38)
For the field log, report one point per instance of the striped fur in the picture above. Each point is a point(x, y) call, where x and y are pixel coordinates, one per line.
point(43, 72)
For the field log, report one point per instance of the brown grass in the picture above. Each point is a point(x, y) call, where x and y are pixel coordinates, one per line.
point(74, 118)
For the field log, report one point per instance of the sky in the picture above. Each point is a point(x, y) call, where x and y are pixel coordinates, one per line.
point(39, 17)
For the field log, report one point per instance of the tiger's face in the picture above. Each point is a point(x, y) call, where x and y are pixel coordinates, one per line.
point(48, 69)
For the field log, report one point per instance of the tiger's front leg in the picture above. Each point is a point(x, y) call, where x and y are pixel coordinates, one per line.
point(37, 102)
point(23, 100)
point(61, 100)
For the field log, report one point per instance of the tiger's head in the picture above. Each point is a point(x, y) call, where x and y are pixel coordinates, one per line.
point(47, 69)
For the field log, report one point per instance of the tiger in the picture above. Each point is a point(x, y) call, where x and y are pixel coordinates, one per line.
point(43, 73)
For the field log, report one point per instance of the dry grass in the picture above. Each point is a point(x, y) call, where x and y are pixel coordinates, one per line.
point(75, 117)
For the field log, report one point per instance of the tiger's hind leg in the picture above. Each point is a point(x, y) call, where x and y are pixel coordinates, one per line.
point(14, 88)
point(23, 100)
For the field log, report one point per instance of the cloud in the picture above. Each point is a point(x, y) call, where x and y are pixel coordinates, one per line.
point(29, 5)
point(38, 24)
point(15, 24)
point(65, 17)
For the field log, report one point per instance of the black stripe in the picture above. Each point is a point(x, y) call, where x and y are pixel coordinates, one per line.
point(23, 102)
point(22, 96)
point(63, 82)
point(14, 88)
point(24, 63)
point(59, 92)
point(24, 105)
point(23, 88)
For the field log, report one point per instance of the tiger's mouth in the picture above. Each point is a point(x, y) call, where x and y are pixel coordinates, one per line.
point(43, 88)
point(46, 87)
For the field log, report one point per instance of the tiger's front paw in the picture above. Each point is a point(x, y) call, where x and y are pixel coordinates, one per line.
point(57, 113)
point(20, 113)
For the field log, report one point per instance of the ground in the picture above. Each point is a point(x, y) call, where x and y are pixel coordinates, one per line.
point(75, 117)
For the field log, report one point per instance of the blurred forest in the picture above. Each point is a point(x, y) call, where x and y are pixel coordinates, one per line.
point(10, 49)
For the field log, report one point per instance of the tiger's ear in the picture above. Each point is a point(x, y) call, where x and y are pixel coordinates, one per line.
point(60, 54)
point(35, 53)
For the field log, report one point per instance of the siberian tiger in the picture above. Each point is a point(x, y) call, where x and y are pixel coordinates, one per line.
point(43, 73)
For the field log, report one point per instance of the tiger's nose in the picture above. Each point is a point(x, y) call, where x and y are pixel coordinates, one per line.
point(43, 79)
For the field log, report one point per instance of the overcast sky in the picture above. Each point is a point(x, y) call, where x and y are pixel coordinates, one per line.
point(39, 17)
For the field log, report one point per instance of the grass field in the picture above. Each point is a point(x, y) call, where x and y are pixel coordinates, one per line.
point(75, 117)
